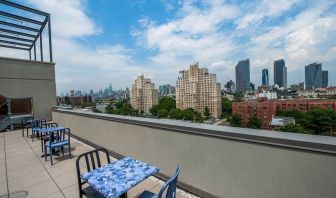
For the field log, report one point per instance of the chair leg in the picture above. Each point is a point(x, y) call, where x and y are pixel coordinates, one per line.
point(42, 141)
point(69, 151)
point(62, 149)
point(50, 151)
point(45, 153)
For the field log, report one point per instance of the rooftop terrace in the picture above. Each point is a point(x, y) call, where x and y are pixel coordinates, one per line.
point(23, 173)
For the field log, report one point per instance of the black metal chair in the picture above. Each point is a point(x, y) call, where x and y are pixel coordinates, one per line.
point(26, 125)
point(91, 157)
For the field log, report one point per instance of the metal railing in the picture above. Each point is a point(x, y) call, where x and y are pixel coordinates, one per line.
point(4, 122)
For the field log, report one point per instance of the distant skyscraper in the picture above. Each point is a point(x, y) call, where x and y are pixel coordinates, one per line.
point(166, 90)
point(243, 75)
point(196, 88)
point(265, 77)
point(110, 89)
point(315, 77)
point(324, 79)
point(280, 73)
point(143, 95)
point(231, 87)
point(252, 86)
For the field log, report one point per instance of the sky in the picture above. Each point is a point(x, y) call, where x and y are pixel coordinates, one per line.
point(98, 42)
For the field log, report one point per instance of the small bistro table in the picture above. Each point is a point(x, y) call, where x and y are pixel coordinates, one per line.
point(115, 179)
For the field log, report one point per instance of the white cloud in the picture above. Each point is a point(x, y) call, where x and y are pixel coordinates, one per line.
point(262, 10)
point(69, 18)
point(193, 36)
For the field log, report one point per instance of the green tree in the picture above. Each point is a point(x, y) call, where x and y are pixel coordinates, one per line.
point(294, 128)
point(109, 109)
point(83, 105)
point(198, 117)
point(154, 110)
point(188, 114)
point(235, 120)
point(163, 113)
point(206, 113)
point(166, 103)
point(254, 123)
point(226, 107)
point(320, 120)
point(175, 114)
point(238, 97)
point(299, 116)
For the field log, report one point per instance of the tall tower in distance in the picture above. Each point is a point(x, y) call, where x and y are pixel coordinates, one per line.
point(324, 79)
point(196, 88)
point(243, 75)
point(315, 77)
point(280, 73)
point(265, 77)
point(143, 95)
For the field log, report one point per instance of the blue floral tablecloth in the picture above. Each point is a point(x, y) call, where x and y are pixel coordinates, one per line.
point(113, 180)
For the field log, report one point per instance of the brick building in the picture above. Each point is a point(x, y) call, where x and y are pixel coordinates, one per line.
point(264, 109)
point(75, 101)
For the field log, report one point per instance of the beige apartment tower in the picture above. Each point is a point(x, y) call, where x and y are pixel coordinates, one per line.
point(196, 88)
point(143, 95)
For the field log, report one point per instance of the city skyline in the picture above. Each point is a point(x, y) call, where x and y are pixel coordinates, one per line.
point(114, 46)
point(243, 74)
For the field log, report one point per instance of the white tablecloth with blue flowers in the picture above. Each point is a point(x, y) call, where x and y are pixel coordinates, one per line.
point(114, 179)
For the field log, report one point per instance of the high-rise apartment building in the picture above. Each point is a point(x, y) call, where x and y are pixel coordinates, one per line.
point(196, 88)
point(265, 77)
point(243, 75)
point(280, 73)
point(315, 77)
point(143, 95)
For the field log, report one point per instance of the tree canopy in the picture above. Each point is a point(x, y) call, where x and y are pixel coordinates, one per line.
point(254, 123)
point(294, 128)
point(235, 120)
point(226, 107)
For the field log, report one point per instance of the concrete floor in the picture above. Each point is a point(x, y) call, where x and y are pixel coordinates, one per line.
point(23, 173)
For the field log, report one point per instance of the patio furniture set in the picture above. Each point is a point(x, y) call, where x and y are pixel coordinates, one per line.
point(102, 178)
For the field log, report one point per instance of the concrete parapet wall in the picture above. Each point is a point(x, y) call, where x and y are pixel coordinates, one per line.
point(223, 161)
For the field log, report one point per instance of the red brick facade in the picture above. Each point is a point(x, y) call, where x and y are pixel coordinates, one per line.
point(265, 109)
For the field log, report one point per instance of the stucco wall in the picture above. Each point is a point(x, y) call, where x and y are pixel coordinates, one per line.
point(221, 166)
point(22, 78)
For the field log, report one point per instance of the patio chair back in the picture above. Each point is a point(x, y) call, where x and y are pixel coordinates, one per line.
point(92, 161)
point(170, 186)
point(59, 136)
point(39, 123)
point(49, 125)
